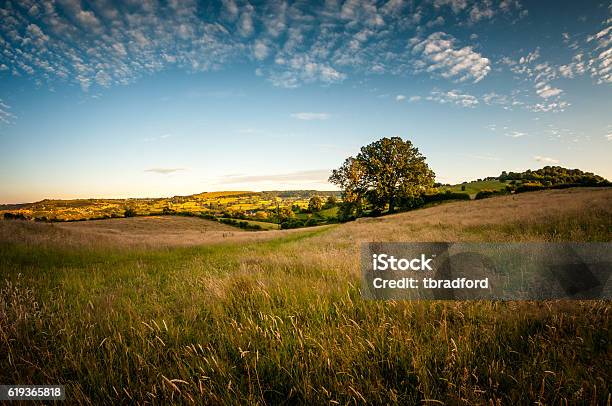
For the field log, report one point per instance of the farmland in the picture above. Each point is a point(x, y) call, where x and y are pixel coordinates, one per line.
point(256, 206)
point(122, 311)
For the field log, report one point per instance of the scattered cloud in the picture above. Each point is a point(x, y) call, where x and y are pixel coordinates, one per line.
point(310, 116)
point(6, 116)
point(439, 54)
point(453, 97)
point(400, 97)
point(164, 171)
point(609, 136)
point(545, 91)
point(103, 44)
point(545, 159)
point(413, 99)
point(260, 50)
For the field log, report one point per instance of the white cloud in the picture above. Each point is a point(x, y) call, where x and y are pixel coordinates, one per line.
point(545, 159)
point(231, 8)
point(549, 107)
point(245, 25)
point(481, 12)
point(453, 97)
point(414, 99)
point(310, 116)
point(547, 91)
point(400, 97)
point(6, 116)
point(260, 50)
point(609, 136)
point(456, 5)
point(438, 54)
point(515, 134)
point(104, 44)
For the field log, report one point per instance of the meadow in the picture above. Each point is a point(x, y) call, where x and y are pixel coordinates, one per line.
point(137, 310)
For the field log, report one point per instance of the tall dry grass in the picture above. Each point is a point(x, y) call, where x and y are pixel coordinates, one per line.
point(282, 320)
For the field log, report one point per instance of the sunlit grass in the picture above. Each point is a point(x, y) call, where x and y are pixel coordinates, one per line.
point(282, 321)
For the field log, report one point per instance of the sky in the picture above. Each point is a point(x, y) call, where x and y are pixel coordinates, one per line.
point(149, 98)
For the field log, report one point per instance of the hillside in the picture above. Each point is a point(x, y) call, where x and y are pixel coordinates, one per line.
point(281, 320)
point(530, 208)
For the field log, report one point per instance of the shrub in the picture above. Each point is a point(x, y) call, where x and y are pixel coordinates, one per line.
point(14, 216)
point(311, 222)
point(484, 193)
point(529, 187)
point(129, 212)
point(292, 223)
point(331, 202)
point(448, 195)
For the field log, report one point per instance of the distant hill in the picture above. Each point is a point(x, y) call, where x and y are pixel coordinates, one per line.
point(555, 175)
point(261, 206)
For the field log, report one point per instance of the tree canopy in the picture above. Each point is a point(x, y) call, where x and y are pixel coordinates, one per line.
point(315, 204)
point(554, 175)
point(385, 172)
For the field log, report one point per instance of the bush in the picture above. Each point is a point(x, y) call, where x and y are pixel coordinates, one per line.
point(14, 216)
point(311, 222)
point(448, 195)
point(129, 212)
point(292, 223)
point(331, 202)
point(529, 187)
point(245, 225)
point(485, 193)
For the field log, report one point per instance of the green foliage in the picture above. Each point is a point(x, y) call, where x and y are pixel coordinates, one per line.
point(285, 213)
point(483, 194)
point(384, 172)
point(350, 210)
point(330, 202)
point(471, 188)
point(311, 222)
point(529, 187)
point(555, 175)
point(292, 223)
point(129, 212)
point(241, 224)
point(315, 204)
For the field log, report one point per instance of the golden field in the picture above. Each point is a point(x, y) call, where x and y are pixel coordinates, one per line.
point(171, 309)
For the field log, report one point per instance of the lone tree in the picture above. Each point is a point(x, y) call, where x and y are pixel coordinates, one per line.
point(385, 172)
point(315, 204)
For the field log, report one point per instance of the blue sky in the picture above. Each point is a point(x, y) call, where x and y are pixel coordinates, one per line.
point(160, 98)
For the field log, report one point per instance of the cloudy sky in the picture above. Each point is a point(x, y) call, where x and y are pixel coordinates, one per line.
point(157, 98)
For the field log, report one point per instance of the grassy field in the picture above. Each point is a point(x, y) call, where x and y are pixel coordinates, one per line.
point(277, 317)
point(472, 188)
point(263, 224)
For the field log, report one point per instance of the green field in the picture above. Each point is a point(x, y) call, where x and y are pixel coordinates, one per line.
point(282, 320)
point(266, 225)
point(472, 188)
